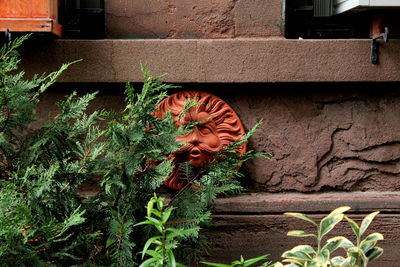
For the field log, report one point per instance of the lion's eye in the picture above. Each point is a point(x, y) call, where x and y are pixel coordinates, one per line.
point(204, 130)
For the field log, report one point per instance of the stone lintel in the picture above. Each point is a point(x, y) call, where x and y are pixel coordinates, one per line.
point(216, 60)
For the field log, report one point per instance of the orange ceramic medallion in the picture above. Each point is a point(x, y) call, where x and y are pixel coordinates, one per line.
point(219, 126)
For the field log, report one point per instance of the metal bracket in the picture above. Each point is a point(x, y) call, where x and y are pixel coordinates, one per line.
point(374, 45)
point(7, 35)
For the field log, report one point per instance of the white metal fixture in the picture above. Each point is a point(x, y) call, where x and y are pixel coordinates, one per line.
point(340, 6)
point(326, 8)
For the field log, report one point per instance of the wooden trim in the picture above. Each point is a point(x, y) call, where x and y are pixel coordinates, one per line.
point(27, 9)
point(30, 25)
point(30, 16)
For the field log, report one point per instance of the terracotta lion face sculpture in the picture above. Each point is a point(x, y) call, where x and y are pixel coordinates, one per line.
point(218, 125)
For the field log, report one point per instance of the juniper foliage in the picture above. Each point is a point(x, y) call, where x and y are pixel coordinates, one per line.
point(41, 214)
point(135, 165)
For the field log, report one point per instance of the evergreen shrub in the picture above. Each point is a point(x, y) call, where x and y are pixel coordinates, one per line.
point(45, 220)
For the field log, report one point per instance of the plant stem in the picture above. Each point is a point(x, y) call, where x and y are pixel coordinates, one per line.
point(318, 240)
point(184, 188)
point(163, 241)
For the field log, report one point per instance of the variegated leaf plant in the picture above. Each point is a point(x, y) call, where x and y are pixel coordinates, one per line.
point(357, 255)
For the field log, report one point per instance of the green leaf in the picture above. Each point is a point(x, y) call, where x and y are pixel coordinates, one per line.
point(145, 222)
point(171, 259)
point(150, 205)
point(301, 216)
point(333, 243)
point(157, 213)
point(354, 226)
point(149, 262)
point(254, 260)
point(148, 243)
point(367, 245)
point(354, 254)
point(154, 220)
point(154, 254)
point(346, 244)
point(374, 236)
point(367, 221)
point(323, 256)
point(364, 259)
point(166, 215)
point(313, 263)
point(339, 210)
point(374, 253)
point(328, 223)
point(370, 241)
point(295, 262)
point(337, 261)
point(304, 248)
point(298, 255)
point(215, 264)
point(348, 262)
point(110, 241)
point(299, 233)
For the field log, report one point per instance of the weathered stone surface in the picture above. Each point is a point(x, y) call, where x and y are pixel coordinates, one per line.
point(170, 19)
point(177, 58)
point(258, 18)
point(324, 141)
point(114, 61)
point(344, 139)
point(251, 236)
point(222, 61)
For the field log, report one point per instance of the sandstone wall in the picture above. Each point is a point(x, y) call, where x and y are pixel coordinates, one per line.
point(348, 141)
point(193, 19)
point(324, 137)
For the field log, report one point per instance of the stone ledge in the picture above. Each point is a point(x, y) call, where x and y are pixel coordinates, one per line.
point(264, 203)
point(254, 235)
point(253, 224)
point(217, 60)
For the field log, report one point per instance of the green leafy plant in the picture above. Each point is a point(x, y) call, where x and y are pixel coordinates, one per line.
point(242, 262)
point(358, 255)
point(160, 247)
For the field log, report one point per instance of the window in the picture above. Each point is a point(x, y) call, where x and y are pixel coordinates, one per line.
point(353, 23)
point(82, 19)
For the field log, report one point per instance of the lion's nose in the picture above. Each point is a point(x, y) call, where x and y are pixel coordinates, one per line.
point(194, 140)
